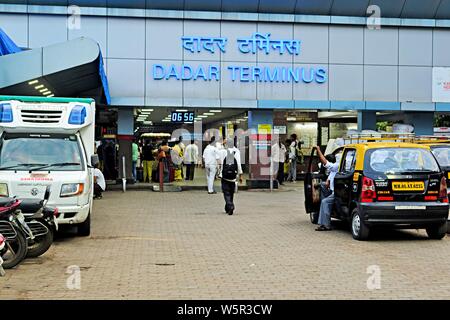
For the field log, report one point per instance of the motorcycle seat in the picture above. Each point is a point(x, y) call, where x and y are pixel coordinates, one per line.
point(30, 205)
point(4, 201)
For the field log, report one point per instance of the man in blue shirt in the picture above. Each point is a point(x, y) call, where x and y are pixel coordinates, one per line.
point(327, 202)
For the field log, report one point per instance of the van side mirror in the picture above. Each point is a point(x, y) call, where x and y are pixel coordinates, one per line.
point(94, 160)
point(47, 193)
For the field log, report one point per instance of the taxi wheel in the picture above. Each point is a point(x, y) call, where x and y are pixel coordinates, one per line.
point(437, 232)
point(359, 229)
point(314, 217)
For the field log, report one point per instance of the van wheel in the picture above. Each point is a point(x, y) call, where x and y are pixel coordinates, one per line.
point(314, 217)
point(84, 228)
point(360, 231)
point(437, 232)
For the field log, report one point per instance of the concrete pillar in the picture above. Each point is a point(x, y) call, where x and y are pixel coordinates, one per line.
point(260, 125)
point(423, 122)
point(125, 135)
point(367, 120)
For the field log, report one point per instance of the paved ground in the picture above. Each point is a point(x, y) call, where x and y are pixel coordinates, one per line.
point(147, 245)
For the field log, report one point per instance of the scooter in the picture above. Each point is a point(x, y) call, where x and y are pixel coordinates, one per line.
point(41, 219)
point(15, 231)
point(2, 247)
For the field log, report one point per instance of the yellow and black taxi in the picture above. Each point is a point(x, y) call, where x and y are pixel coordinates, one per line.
point(384, 184)
point(441, 150)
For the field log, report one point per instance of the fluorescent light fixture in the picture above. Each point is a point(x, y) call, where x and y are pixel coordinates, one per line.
point(209, 114)
point(203, 116)
point(51, 95)
point(43, 90)
point(140, 120)
point(46, 93)
point(165, 120)
point(33, 82)
point(215, 111)
point(181, 110)
point(39, 87)
point(148, 122)
point(291, 118)
point(146, 110)
point(246, 117)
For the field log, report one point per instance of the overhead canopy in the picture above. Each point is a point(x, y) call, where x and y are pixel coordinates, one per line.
point(7, 46)
point(69, 69)
point(417, 9)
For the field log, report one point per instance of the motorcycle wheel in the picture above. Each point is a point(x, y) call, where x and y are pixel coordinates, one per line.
point(40, 245)
point(15, 251)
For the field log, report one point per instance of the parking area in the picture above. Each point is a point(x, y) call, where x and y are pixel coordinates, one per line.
point(147, 245)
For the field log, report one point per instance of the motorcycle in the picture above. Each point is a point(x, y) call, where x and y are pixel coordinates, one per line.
point(2, 247)
point(41, 219)
point(15, 231)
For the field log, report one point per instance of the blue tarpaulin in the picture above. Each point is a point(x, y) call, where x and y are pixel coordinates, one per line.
point(7, 46)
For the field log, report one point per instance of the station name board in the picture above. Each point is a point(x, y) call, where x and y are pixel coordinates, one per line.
point(258, 43)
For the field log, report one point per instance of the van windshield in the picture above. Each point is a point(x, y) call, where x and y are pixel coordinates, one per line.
point(442, 154)
point(36, 152)
point(400, 160)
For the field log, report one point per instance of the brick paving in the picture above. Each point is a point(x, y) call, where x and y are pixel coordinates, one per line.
point(146, 245)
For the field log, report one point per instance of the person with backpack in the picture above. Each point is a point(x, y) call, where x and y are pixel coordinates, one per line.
point(230, 159)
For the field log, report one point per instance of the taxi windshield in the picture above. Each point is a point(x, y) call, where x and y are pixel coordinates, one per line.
point(442, 154)
point(400, 160)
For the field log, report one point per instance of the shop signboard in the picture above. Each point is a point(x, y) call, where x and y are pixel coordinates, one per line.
point(441, 84)
point(258, 43)
point(279, 130)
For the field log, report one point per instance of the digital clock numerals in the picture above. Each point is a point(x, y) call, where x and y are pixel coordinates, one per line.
point(182, 116)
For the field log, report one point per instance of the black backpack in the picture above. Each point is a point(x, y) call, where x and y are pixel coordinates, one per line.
point(230, 170)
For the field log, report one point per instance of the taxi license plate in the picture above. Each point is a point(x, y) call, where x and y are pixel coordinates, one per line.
point(408, 186)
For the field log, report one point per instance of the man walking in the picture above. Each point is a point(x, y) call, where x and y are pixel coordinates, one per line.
point(278, 159)
point(134, 158)
point(148, 160)
point(231, 168)
point(211, 156)
point(327, 201)
point(190, 159)
point(293, 159)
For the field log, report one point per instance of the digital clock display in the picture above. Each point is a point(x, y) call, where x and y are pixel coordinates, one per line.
point(181, 117)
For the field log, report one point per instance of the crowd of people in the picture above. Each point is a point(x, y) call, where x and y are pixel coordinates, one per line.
point(153, 160)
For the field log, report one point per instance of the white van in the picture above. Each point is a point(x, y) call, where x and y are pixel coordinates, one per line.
point(49, 141)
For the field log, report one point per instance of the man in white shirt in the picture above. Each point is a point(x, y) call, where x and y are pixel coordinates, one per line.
point(99, 183)
point(327, 202)
point(231, 168)
point(211, 156)
point(190, 159)
point(278, 159)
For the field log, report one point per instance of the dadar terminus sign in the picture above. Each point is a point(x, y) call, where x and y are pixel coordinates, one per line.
point(252, 73)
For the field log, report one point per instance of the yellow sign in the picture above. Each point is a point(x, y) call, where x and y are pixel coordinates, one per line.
point(356, 176)
point(408, 186)
point(264, 128)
